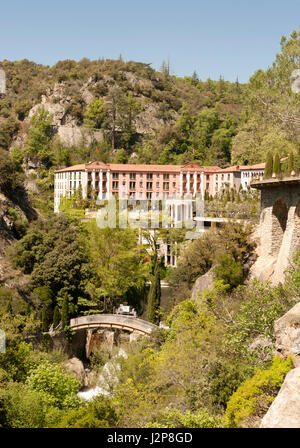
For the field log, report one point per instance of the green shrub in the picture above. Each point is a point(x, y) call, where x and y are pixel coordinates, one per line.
point(176, 419)
point(254, 396)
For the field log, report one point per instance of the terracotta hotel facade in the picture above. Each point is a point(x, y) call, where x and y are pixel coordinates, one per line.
point(130, 181)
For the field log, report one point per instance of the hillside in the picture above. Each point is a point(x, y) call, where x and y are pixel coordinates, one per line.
point(142, 100)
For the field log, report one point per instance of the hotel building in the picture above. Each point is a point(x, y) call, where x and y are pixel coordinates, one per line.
point(130, 181)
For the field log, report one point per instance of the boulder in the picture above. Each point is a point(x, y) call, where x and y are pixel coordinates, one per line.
point(202, 283)
point(284, 412)
point(75, 366)
point(287, 334)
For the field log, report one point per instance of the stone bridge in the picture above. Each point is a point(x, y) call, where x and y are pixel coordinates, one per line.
point(129, 323)
point(279, 227)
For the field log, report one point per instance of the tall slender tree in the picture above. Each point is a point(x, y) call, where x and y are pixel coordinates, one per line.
point(269, 166)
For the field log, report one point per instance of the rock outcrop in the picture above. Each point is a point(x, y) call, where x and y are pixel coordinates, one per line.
point(284, 412)
point(75, 366)
point(287, 334)
point(202, 283)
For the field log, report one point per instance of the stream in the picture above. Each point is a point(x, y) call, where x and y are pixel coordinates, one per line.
point(106, 379)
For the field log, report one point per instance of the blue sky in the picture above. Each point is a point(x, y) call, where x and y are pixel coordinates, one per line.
point(232, 38)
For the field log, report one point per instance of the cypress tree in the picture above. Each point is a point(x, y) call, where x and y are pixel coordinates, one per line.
point(9, 309)
point(56, 317)
point(45, 321)
point(28, 309)
point(269, 166)
point(65, 312)
point(276, 165)
point(290, 163)
point(154, 295)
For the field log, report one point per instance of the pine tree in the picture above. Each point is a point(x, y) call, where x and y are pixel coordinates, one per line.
point(269, 166)
point(276, 165)
point(56, 317)
point(154, 295)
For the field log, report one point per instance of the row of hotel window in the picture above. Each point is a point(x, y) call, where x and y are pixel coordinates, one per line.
point(77, 174)
point(132, 185)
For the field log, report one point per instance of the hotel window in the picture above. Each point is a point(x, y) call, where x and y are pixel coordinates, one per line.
point(115, 185)
point(174, 184)
point(149, 175)
point(198, 186)
point(115, 175)
point(124, 174)
point(97, 184)
point(124, 183)
point(207, 176)
point(132, 185)
point(149, 185)
point(207, 186)
point(157, 175)
point(104, 184)
point(174, 176)
point(157, 184)
point(141, 184)
point(228, 176)
point(198, 176)
point(166, 176)
point(166, 185)
point(184, 186)
point(184, 177)
point(132, 176)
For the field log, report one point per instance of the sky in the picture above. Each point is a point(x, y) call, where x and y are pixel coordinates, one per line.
point(229, 38)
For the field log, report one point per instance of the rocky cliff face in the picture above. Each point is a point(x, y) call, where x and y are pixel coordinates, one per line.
point(285, 409)
point(57, 102)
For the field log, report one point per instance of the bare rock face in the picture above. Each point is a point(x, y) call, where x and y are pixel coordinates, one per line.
point(287, 333)
point(285, 409)
point(202, 283)
point(75, 366)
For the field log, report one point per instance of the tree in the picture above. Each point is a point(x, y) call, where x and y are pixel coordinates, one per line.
point(94, 116)
point(276, 164)
point(65, 311)
point(110, 109)
point(50, 378)
point(269, 166)
point(37, 145)
point(56, 317)
point(154, 295)
point(290, 163)
point(117, 264)
point(8, 177)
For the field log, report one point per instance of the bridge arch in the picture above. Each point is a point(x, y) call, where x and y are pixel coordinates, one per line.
point(279, 221)
point(128, 323)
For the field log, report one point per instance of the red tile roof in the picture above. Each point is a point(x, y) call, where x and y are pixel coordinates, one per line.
point(130, 167)
point(72, 168)
point(258, 166)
